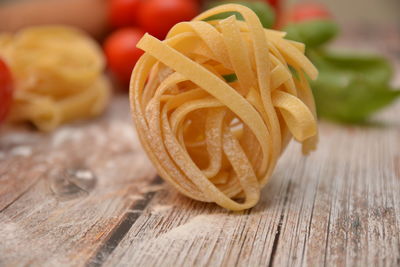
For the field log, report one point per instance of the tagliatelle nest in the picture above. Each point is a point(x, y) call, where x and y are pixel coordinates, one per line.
point(58, 75)
point(216, 103)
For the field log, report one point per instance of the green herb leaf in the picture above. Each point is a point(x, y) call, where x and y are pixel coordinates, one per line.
point(313, 33)
point(264, 12)
point(373, 69)
point(350, 88)
point(229, 78)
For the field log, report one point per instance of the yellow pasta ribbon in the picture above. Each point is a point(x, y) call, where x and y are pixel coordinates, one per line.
point(215, 139)
point(58, 74)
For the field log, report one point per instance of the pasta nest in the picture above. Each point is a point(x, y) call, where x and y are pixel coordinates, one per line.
point(58, 75)
point(216, 103)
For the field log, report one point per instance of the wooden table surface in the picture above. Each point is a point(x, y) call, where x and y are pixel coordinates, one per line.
point(87, 195)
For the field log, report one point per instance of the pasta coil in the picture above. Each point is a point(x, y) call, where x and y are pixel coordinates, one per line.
point(58, 74)
point(216, 103)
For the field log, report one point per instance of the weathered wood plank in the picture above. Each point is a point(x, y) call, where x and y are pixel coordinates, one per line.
point(16, 156)
point(76, 186)
point(339, 206)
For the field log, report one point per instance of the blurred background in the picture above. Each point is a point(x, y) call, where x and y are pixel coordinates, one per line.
point(351, 86)
point(382, 12)
point(92, 14)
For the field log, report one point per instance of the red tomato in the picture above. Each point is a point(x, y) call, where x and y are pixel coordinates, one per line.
point(158, 16)
point(274, 3)
point(123, 13)
point(309, 11)
point(6, 89)
point(122, 53)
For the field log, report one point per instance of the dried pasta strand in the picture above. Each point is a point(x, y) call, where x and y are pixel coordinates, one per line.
point(217, 140)
point(58, 75)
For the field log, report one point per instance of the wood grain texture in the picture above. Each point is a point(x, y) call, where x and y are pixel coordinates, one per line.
point(340, 206)
point(49, 217)
point(87, 195)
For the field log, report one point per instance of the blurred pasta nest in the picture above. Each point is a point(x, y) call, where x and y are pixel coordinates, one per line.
point(216, 103)
point(58, 75)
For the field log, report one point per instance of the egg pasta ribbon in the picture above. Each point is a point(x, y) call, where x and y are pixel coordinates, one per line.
point(58, 74)
point(216, 103)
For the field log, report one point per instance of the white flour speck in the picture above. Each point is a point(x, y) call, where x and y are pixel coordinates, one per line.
point(65, 134)
point(85, 175)
point(24, 151)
